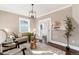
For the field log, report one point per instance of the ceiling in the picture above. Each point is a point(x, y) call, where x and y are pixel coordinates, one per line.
point(23, 9)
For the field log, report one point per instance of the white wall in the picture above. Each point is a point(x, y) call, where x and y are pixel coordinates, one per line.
point(74, 40)
point(75, 12)
point(61, 16)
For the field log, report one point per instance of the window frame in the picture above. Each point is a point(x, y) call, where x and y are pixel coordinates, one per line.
point(25, 19)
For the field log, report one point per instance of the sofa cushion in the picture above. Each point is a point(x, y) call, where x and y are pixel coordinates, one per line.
point(24, 34)
point(22, 39)
point(20, 35)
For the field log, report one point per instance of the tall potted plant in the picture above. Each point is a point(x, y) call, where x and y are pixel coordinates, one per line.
point(69, 29)
point(29, 36)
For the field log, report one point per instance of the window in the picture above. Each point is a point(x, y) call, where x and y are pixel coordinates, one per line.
point(24, 24)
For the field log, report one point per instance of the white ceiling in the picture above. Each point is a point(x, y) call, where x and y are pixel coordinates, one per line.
point(23, 9)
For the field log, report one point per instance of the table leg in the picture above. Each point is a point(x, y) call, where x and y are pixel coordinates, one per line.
point(23, 50)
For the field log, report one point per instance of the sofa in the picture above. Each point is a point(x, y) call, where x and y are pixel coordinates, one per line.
point(22, 38)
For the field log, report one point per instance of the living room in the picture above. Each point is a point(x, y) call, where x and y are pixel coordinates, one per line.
point(47, 28)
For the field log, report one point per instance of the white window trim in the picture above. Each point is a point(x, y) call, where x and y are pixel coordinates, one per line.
point(28, 20)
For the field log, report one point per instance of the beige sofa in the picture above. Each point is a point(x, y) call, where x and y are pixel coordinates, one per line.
point(22, 38)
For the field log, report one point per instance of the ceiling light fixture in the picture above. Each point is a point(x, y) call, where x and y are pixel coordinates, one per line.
point(32, 13)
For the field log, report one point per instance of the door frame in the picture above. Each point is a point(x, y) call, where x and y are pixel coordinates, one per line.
point(47, 19)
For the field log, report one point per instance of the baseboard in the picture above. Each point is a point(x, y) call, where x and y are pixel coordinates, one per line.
point(63, 44)
point(73, 49)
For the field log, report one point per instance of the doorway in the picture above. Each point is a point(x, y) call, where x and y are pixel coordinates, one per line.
point(44, 29)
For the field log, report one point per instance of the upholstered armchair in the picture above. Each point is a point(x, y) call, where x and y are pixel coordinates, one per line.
point(6, 42)
point(7, 45)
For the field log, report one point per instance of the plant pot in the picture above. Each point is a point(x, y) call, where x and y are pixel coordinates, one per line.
point(29, 39)
point(68, 50)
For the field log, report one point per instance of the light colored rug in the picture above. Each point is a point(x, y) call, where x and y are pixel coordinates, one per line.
point(42, 49)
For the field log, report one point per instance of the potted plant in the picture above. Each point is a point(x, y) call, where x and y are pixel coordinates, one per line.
point(69, 29)
point(29, 35)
